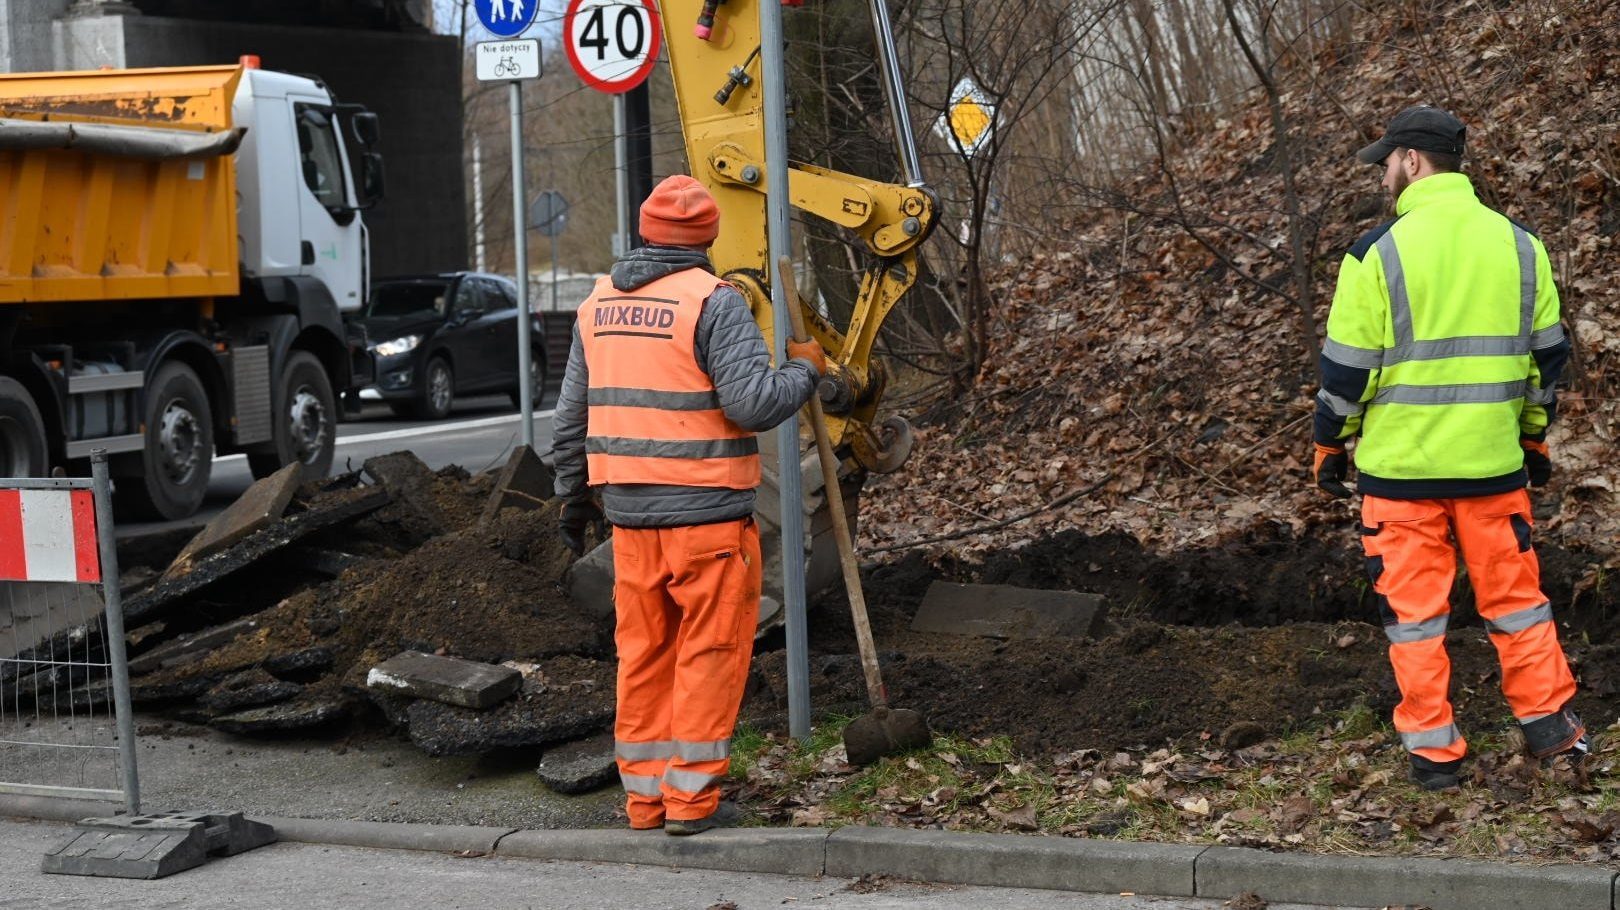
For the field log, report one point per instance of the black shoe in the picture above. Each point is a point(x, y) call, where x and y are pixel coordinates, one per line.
point(1436, 775)
point(725, 816)
point(1577, 753)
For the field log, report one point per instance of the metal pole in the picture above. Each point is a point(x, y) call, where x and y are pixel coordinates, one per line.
point(520, 234)
point(107, 542)
point(773, 81)
point(621, 175)
point(554, 271)
point(478, 205)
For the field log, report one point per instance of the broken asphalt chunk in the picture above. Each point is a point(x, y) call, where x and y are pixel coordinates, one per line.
point(444, 679)
point(295, 715)
point(579, 767)
point(524, 482)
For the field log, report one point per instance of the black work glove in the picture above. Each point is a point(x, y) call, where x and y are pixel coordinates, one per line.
point(1537, 461)
point(1329, 469)
point(575, 518)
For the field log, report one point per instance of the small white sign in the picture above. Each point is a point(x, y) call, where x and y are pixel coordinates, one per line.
point(504, 61)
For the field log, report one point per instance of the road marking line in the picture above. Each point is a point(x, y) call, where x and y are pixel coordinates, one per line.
point(414, 432)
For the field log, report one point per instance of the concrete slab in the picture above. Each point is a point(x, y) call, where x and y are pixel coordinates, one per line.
point(785, 851)
point(450, 680)
point(579, 767)
point(523, 482)
point(258, 508)
point(1062, 863)
point(1440, 884)
point(1003, 611)
point(388, 835)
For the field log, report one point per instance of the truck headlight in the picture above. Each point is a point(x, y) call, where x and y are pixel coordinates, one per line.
point(395, 346)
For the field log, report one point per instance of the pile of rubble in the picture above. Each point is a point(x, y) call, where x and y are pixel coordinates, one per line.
point(433, 597)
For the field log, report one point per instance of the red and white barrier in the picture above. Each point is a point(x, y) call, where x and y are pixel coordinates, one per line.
point(48, 535)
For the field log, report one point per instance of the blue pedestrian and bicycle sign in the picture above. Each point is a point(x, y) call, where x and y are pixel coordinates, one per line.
point(506, 18)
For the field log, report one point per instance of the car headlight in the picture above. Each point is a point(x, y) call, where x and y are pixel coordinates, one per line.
point(397, 345)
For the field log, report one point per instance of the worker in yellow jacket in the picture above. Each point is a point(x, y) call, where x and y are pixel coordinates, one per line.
point(1443, 346)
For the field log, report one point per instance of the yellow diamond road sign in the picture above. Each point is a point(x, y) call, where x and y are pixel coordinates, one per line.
point(969, 119)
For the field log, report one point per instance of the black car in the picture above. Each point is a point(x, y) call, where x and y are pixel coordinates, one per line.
point(439, 336)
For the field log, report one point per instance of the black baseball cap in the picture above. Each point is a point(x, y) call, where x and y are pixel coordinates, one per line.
point(1421, 127)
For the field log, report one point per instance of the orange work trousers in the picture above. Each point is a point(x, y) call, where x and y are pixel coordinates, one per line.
point(1411, 547)
point(687, 600)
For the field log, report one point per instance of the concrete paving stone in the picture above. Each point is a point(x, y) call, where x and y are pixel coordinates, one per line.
point(785, 851)
point(258, 508)
point(388, 835)
point(1440, 884)
point(1004, 611)
point(1012, 860)
point(523, 482)
point(450, 680)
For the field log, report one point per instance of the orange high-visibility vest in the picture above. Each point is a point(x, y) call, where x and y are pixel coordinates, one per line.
point(653, 415)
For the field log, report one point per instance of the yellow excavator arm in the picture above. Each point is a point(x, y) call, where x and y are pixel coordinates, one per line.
point(717, 87)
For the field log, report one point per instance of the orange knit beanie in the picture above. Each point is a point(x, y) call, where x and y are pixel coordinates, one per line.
point(680, 212)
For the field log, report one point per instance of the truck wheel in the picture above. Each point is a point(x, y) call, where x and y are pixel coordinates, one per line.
point(438, 391)
point(179, 454)
point(22, 432)
point(305, 426)
point(537, 381)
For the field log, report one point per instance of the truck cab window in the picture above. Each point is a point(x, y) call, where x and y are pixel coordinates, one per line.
point(320, 157)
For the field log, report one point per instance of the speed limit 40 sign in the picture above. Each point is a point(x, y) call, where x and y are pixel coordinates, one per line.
point(612, 44)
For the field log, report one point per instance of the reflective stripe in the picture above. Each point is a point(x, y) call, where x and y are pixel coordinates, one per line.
point(1400, 305)
point(652, 398)
point(1541, 396)
point(647, 751)
point(1551, 336)
point(1350, 356)
point(1341, 407)
point(689, 781)
point(703, 751)
point(1532, 718)
point(1406, 632)
point(1521, 620)
point(1527, 280)
point(640, 784)
point(671, 448)
point(1470, 393)
point(1471, 346)
point(1438, 738)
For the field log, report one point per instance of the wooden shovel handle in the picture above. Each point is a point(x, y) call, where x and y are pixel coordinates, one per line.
point(835, 504)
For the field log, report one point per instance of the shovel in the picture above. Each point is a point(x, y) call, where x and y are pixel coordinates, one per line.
point(883, 730)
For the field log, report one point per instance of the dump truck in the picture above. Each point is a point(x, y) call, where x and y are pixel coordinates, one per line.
point(177, 249)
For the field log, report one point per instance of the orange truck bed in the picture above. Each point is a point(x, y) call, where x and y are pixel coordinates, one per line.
point(118, 185)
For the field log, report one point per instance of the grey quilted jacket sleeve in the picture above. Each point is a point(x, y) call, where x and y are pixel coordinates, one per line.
point(732, 351)
point(568, 426)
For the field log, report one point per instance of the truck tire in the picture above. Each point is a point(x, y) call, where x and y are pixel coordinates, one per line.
point(538, 377)
point(22, 432)
point(179, 454)
point(305, 421)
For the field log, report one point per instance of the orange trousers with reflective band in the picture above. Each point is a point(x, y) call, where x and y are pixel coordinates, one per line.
point(1411, 548)
point(687, 600)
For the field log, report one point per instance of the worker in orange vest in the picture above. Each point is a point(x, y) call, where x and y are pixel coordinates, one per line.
point(668, 381)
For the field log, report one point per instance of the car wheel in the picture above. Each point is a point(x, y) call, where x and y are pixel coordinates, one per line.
point(305, 426)
point(437, 392)
point(537, 382)
point(178, 459)
point(22, 432)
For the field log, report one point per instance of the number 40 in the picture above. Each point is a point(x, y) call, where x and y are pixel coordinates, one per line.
point(628, 21)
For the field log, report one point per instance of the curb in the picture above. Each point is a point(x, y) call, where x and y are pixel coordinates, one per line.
point(994, 860)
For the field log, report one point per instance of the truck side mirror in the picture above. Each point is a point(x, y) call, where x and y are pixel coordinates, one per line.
point(367, 128)
point(371, 177)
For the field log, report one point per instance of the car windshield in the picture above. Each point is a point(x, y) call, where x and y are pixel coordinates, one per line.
point(408, 298)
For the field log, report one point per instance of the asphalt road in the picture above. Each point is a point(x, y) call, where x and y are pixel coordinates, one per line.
point(478, 433)
point(309, 875)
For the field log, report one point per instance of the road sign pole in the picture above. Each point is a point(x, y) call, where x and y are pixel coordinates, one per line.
point(520, 231)
point(621, 175)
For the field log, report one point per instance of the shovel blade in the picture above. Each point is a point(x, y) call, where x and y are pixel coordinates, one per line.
point(885, 731)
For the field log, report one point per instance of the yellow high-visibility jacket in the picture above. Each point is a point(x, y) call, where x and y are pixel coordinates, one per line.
point(1443, 346)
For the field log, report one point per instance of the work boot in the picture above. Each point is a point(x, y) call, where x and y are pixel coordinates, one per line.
point(726, 815)
point(1436, 775)
point(1577, 753)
